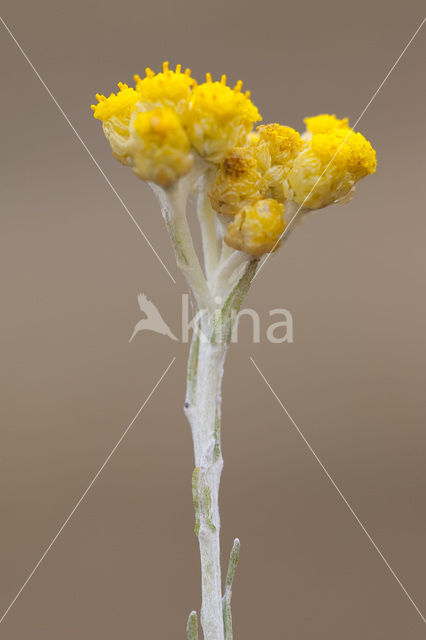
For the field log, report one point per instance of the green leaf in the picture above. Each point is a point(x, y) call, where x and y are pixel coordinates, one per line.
point(192, 626)
point(226, 600)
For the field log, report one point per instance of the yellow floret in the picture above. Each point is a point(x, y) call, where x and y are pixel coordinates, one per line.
point(257, 228)
point(325, 122)
point(163, 149)
point(118, 108)
point(220, 118)
point(237, 182)
point(327, 170)
point(166, 89)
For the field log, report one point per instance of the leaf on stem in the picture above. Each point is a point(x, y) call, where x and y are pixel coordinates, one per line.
point(226, 601)
point(233, 562)
point(192, 626)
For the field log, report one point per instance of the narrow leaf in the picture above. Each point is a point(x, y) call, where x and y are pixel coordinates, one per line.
point(192, 626)
point(226, 600)
point(233, 561)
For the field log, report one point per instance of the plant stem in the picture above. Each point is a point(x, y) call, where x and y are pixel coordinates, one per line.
point(202, 408)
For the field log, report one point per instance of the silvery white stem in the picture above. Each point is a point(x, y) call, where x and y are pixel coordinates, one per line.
point(202, 408)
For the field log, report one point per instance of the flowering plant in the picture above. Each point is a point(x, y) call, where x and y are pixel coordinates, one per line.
point(183, 137)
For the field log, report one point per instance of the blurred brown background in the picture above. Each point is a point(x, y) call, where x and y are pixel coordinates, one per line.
point(126, 566)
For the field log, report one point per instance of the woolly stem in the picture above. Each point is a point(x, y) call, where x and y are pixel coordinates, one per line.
point(202, 408)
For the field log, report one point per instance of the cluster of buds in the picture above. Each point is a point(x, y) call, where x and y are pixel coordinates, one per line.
point(168, 121)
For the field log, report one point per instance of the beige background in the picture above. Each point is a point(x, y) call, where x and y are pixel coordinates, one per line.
point(126, 566)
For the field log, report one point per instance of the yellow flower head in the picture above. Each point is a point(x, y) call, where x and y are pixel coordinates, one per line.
point(166, 89)
point(237, 182)
point(275, 149)
point(163, 149)
point(220, 118)
point(118, 108)
point(324, 123)
point(283, 142)
point(257, 228)
point(116, 112)
point(350, 151)
point(327, 170)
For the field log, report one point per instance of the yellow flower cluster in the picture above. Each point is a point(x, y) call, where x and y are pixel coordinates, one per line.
point(184, 118)
point(334, 159)
point(249, 185)
point(161, 125)
point(316, 169)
